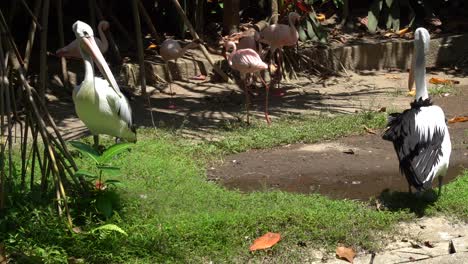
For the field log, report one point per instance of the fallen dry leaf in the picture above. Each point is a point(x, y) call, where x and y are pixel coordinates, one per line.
point(458, 119)
point(411, 93)
point(321, 17)
point(3, 258)
point(152, 46)
point(435, 80)
point(345, 253)
point(383, 109)
point(402, 31)
point(266, 241)
point(199, 77)
point(369, 130)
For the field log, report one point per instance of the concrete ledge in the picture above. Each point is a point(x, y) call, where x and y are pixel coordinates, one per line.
point(376, 55)
point(443, 51)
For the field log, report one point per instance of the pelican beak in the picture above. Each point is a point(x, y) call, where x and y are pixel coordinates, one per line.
point(92, 48)
point(412, 91)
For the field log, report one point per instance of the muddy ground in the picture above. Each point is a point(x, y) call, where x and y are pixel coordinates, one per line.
point(355, 167)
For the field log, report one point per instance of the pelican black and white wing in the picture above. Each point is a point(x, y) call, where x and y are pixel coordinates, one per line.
point(422, 142)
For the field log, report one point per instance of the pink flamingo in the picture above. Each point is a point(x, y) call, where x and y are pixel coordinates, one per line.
point(247, 62)
point(171, 50)
point(277, 36)
point(72, 50)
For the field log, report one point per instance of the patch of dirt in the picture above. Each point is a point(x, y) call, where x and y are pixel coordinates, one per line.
point(426, 240)
point(202, 107)
point(355, 167)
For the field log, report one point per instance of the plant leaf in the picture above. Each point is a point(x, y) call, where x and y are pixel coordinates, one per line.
point(86, 174)
point(266, 241)
point(389, 3)
point(302, 34)
point(345, 253)
point(373, 15)
point(104, 205)
point(110, 170)
point(395, 15)
point(110, 227)
point(85, 150)
point(113, 151)
point(310, 31)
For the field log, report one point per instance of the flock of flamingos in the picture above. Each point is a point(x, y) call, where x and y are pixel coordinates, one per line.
point(419, 134)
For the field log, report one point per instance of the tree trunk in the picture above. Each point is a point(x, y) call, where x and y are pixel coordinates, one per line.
point(231, 16)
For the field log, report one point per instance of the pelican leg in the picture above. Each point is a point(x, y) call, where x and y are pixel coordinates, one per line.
point(96, 142)
point(267, 88)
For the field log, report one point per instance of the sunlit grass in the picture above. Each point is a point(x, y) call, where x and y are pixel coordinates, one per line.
point(173, 214)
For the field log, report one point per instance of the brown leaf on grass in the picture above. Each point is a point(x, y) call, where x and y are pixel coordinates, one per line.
point(345, 253)
point(458, 119)
point(370, 131)
point(266, 241)
point(383, 109)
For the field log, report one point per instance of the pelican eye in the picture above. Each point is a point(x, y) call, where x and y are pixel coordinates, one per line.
point(86, 34)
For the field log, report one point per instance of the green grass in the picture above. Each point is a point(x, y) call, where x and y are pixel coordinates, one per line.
point(296, 129)
point(441, 89)
point(172, 214)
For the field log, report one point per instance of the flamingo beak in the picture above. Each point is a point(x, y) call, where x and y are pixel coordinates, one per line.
point(92, 48)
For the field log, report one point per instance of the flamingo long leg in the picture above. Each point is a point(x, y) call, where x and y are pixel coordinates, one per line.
point(247, 98)
point(267, 88)
point(171, 104)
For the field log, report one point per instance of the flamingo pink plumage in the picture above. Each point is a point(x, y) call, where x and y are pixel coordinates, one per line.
point(247, 62)
point(278, 36)
point(73, 51)
point(171, 50)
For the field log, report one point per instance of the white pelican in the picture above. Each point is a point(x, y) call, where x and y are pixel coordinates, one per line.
point(99, 102)
point(419, 134)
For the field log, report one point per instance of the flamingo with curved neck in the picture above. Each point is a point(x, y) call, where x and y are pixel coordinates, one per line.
point(278, 36)
point(73, 51)
point(172, 50)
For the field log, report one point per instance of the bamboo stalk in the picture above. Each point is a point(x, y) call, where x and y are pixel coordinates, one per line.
point(92, 13)
point(196, 37)
point(120, 27)
point(63, 60)
point(148, 21)
point(2, 134)
point(33, 15)
point(43, 52)
point(32, 33)
point(139, 38)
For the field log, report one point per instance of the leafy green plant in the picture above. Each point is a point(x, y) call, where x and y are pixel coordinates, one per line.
point(105, 200)
point(388, 11)
point(310, 27)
